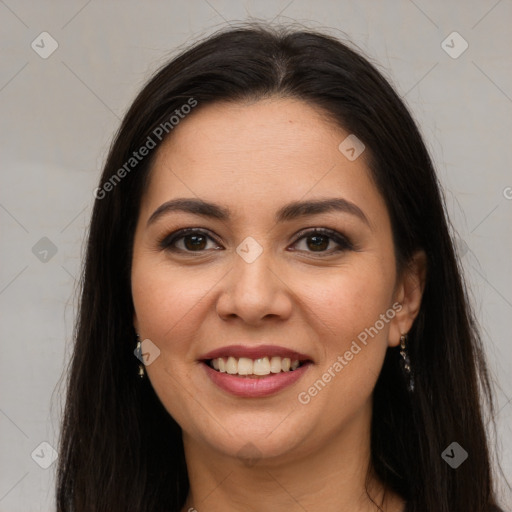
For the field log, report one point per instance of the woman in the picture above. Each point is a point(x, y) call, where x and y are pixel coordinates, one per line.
point(269, 239)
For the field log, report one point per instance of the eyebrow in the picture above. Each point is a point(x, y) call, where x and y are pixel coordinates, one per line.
point(291, 211)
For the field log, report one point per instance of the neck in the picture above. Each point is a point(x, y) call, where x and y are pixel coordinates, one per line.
point(333, 475)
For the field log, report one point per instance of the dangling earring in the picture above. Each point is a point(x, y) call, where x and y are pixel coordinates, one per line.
point(138, 354)
point(406, 362)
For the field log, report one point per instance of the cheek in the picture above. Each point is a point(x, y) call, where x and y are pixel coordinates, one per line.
point(348, 307)
point(168, 305)
point(352, 299)
point(167, 301)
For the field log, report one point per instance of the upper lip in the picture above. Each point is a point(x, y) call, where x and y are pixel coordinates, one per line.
point(255, 352)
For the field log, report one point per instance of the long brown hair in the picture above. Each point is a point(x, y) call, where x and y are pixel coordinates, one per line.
point(120, 450)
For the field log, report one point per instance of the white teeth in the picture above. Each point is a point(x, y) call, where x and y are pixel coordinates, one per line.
point(275, 364)
point(245, 366)
point(231, 365)
point(260, 366)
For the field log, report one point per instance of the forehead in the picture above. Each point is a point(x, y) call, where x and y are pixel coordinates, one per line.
point(278, 127)
point(258, 155)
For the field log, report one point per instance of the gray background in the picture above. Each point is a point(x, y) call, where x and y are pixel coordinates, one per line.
point(59, 115)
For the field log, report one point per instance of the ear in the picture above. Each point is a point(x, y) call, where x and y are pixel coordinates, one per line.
point(408, 293)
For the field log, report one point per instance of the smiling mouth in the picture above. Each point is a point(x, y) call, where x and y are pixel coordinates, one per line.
point(254, 368)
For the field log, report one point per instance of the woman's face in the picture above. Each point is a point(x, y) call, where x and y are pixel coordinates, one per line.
point(259, 278)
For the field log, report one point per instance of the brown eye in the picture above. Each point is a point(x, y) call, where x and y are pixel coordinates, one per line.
point(318, 240)
point(186, 240)
point(193, 242)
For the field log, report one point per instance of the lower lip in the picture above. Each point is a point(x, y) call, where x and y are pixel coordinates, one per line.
point(255, 387)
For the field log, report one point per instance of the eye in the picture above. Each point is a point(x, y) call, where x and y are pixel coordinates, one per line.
point(319, 239)
point(194, 240)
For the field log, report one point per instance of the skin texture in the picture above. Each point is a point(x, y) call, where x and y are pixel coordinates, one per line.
point(253, 158)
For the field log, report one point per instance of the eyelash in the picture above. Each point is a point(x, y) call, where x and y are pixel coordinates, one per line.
point(344, 243)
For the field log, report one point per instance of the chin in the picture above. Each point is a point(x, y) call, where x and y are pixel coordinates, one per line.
point(253, 437)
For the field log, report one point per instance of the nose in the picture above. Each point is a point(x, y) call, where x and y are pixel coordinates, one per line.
point(255, 289)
